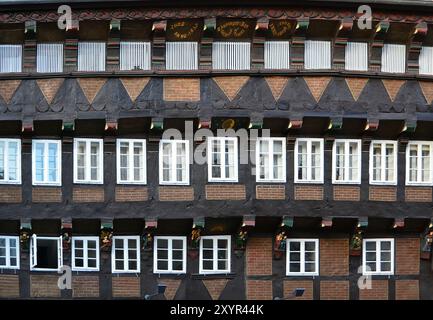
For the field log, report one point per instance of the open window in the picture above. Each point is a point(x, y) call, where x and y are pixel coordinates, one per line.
point(46, 253)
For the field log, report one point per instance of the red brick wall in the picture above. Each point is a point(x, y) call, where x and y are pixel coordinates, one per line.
point(290, 285)
point(259, 290)
point(172, 287)
point(182, 89)
point(231, 85)
point(225, 192)
point(176, 194)
point(406, 289)
point(347, 193)
point(383, 194)
point(334, 290)
point(308, 193)
point(85, 286)
point(407, 256)
point(379, 291)
point(10, 195)
point(334, 257)
point(126, 287)
point(259, 256)
point(86, 194)
point(131, 194)
point(9, 286)
point(418, 194)
point(44, 286)
point(270, 192)
point(215, 287)
point(47, 194)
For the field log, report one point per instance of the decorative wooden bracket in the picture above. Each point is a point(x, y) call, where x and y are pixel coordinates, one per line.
point(204, 123)
point(362, 222)
point(248, 222)
point(377, 45)
point(66, 232)
point(68, 126)
point(150, 225)
point(25, 233)
point(415, 46)
point(27, 125)
point(111, 126)
point(29, 48)
point(71, 47)
point(113, 44)
point(335, 123)
point(326, 222)
point(106, 235)
point(298, 43)
point(157, 124)
point(339, 52)
point(158, 44)
point(398, 223)
point(372, 124)
point(409, 125)
point(295, 123)
point(258, 44)
point(256, 123)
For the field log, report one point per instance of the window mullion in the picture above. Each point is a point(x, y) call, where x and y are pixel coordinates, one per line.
point(8, 249)
point(215, 254)
point(130, 161)
point(419, 163)
point(125, 255)
point(45, 161)
point(271, 159)
point(5, 162)
point(85, 258)
point(346, 161)
point(173, 166)
point(309, 156)
point(302, 256)
point(383, 160)
point(378, 268)
point(88, 162)
point(222, 142)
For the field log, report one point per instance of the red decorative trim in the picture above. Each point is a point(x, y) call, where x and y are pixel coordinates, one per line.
point(162, 14)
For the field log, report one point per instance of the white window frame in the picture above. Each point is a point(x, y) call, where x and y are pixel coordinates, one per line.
point(270, 162)
point(87, 173)
point(382, 181)
point(356, 56)
point(126, 51)
point(309, 141)
point(8, 252)
point(169, 255)
point(173, 164)
point(302, 271)
point(82, 58)
point(6, 180)
point(45, 181)
point(419, 145)
point(125, 254)
point(178, 55)
point(425, 60)
point(347, 143)
point(46, 46)
point(325, 52)
point(227, 55)
point(378, 257)
point(34, 253)
point(393, 49)
point(130, 167)
point(277, 55)
point(85, 257)
point(223, 141)
point(215, 252)
point(18, 63)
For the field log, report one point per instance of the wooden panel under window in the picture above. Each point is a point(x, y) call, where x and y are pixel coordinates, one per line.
point(135, 30)
point(49, 32)
point(12, 33)
point(94, 30)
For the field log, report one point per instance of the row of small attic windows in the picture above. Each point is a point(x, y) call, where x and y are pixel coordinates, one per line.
point(225, 56)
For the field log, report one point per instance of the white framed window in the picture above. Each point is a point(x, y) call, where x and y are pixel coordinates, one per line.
point(47, 162)
point(88, 161)
point(426, 60)
point(85, 253)
point(222, 159)
point(182, 55)
point(317, 54)
point(378, 256)
point(302, 257)
point(356, 56)
point(271, 160)
point(135, 55)
point(11, 58)
point(91, 56)
point(394, 58)
point(49, 57)
point(125, 254)
point(346, 161)
point(131, 161)
point(309, 160)
point(419, 163)
point(174, 162)
point(383, 162)
point(169, 255)
point(9, 252)
point(215, 253)
point(46, 253)
point(231, 55)
point(10, 161)
point(277, 55)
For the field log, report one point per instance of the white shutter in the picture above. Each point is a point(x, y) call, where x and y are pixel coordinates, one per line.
point(356, 57)
point(394, 58)
point(60, 252)
point(277, 55)
point(426, 60)
point(49, 57)
point(231, 55)
point(134, 55)
point(11, 58)
point(317, 54)
point(91, 56)
point(33, 251)
point(181, 56)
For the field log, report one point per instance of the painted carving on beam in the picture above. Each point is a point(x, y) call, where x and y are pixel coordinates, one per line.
point(184, 30)
point(280, 29)
point(234, 29)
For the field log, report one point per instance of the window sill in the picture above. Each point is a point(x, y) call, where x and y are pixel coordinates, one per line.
point(199, 276)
